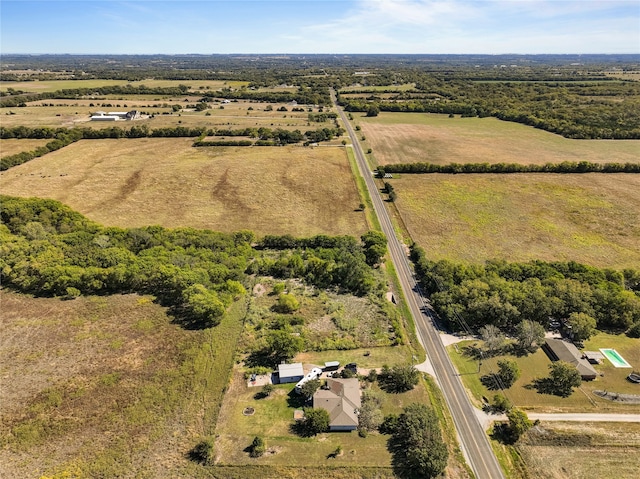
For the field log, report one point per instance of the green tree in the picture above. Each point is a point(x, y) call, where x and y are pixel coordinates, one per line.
point(563, 377)
point(399, 378)
point(508, 372)
point(416, 444)
point(582, 325)
point(282, 345)
point(375, 246)
point(373, 110)
point(529, 335)
point(309, 388)
point(370, 416)
point(287, 303)
point(203, 306)
point(519, 423)
point(634, 331)
point(316, 421)
point(493, 338)
point(500, 403)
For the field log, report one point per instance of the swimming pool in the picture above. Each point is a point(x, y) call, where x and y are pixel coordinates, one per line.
point(615, 358)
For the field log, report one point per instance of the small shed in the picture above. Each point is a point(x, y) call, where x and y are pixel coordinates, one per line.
point(290, 373)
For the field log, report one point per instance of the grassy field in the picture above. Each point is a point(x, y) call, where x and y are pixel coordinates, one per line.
point(591, 218)
point(55, 85)
point(270, 190)
point(107, 386)
point(12, 147)
point(69, 113)
point(379, 88)
point(537, 366)
point(582, 451)
point(433, 138)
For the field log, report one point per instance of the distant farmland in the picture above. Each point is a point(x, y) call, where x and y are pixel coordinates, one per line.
point(270, 190)
point(590, 218)
point(432, 138)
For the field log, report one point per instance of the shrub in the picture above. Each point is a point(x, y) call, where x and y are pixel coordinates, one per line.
point(257, 447)
point(634, 331)
point(203, 452)
point(287, 303)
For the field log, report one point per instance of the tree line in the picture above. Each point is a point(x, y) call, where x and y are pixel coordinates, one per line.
point(269, 137)
point(62, 137)
point(50, 250)
point(573, 109)
point(562, 167)
point(504, 294)
point(21, 99)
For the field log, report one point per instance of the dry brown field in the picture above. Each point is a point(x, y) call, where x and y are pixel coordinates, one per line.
point(589, 218)
point(74, 377)
point(12, 147)
point(130, 183)
point(70, 113)
point(582, 451)
point(432, 138)
point(55, 85)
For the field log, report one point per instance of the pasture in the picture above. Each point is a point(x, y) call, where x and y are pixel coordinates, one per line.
point(56, 85)
point(438, 139)
point(536, 365)
point(589, 218)
point(107, 386)
point(564, 450)
point(240, 114)
point(294, 190)
point(377, 88)
point(13, 147)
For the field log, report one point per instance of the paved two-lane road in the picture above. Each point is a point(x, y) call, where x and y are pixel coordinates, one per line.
point(473, 440)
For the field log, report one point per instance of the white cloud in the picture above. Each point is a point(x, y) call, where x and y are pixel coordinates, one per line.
point(437, 26)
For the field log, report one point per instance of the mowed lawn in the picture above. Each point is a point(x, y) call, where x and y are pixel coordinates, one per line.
point(589, 218)
point(434, 138)
point(131, 183)
point(536, 365)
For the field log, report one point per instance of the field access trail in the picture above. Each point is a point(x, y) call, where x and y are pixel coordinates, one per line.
point(473, 440)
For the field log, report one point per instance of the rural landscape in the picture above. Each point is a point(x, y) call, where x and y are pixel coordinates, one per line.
point(337, 266)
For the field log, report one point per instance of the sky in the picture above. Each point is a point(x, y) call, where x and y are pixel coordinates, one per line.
point(320, 26)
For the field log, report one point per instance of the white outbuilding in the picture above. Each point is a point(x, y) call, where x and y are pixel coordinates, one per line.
point(290, 373)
